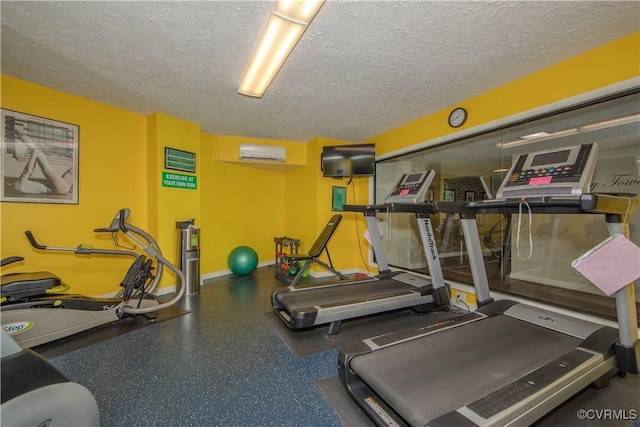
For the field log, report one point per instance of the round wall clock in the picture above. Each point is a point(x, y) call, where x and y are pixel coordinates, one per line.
point(457, 117)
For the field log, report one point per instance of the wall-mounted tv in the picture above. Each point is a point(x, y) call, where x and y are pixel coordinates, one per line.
point(348, 160)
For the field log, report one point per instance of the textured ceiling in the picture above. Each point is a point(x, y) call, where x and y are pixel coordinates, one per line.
point(362, 67)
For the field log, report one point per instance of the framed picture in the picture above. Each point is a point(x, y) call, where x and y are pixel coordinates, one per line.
point(469, 196)
point(39, 159)
point(449, 196)
point(338, 198)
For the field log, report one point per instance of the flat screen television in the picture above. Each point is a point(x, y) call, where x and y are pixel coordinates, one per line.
point(348, 160)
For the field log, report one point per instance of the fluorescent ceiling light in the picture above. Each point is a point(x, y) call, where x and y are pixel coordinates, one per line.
point(286, 25)
point(545, 136)
point(301, 11)
point(611, 123)
point(536, 135)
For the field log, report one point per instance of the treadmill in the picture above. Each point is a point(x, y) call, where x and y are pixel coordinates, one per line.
point(507, 363)
point(306, 307)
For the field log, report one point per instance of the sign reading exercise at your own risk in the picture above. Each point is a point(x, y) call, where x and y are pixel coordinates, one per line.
point(180, 161)
point(179, 180)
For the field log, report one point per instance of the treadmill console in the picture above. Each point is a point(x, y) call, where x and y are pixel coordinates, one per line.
point(411, 187)
point(555, 172)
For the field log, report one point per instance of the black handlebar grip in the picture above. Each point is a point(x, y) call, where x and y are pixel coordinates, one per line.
point(10, 260)
point(33, 242)
point(122, 216)
point(116, 222)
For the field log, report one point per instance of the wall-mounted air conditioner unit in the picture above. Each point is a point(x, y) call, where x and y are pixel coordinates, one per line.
point(263, 153)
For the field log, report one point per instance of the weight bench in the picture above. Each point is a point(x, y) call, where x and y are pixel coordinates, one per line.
point(319, 246)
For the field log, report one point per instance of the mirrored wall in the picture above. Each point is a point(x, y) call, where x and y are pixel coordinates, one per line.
point(539, 263)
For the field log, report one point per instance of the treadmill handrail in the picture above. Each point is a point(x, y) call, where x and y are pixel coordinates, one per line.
point(429, 207)
point(618, 210)
point(595, 203)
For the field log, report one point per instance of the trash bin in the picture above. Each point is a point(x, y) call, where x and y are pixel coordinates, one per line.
point(189, 254)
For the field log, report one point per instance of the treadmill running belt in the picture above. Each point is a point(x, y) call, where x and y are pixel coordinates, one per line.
point(343, 294)
point(425, 378)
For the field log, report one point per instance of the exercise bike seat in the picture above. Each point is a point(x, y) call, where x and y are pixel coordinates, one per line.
point(18, 286)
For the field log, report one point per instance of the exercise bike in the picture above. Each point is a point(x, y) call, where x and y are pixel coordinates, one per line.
point(34, 309)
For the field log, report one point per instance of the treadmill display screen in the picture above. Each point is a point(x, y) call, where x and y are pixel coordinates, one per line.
point(565, 171)
point(414, 177)
point(555, 157)
point(411, 187)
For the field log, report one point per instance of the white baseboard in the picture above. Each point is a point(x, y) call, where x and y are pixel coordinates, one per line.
point(314, 274)
point(226, 272)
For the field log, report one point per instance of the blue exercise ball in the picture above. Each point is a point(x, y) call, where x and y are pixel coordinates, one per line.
point(243, 260)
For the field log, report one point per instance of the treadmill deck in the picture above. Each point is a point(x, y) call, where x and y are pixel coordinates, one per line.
point(431, 376)
point(348, 293)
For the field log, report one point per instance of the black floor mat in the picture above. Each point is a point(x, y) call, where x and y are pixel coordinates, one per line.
point(311, 341)
point(345, 408)
point(105, 332)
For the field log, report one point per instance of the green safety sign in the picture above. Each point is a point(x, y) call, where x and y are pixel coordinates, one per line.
point(338, 198)
point(179, 180)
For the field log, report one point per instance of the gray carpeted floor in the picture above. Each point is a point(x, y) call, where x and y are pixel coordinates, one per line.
point(231, 362)
point(105, 332)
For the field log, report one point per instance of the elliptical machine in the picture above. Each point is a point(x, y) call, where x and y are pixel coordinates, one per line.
point(34, 311)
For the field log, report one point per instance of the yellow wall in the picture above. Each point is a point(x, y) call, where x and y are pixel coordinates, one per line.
point(242, 205)
point(121, 162)
point(121, 155)
point(168, 204)
point(112, 175)
point(308, 197)
point(615, 62)
point(250, 203)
